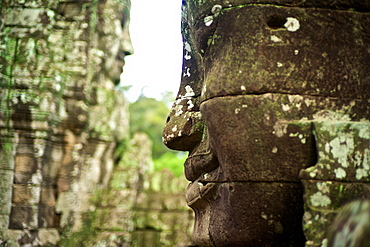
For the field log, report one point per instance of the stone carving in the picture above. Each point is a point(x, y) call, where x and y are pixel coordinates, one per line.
point(60, 116)
point(273, 109)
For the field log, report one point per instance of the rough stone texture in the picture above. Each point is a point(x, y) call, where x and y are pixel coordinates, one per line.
point(341, 174)
point(272, 92)
point(351, 225)
point(61, 118)
point(161, 216)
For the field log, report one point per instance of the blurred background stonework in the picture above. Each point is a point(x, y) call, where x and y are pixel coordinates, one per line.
point(70, 172)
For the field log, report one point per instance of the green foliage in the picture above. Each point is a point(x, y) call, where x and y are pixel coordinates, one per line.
point(84, 236)
point(172, 161)
point(149, 115)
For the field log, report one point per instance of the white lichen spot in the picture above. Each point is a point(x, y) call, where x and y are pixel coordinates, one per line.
point(240, 71)
point(292, 24)
point(342, 147)
point(280, 129)
point(237, 110)
point(296, 52)
point(308, 102)
point(204, 89)
point(216, 9)
point(313, 174)
point(361, 173)
point(180, 133)
point(263, 215)
point(340, 173)
point(279, 64)
point(186, 72)
point(318, 199)
point(285, 107)
point(187, 48)
point(244, 106)
point(323, 187)
point(200, 185)
point(274, 150)
point(275, 39)
point(208, 20)
point(190, 104)
point(243, 88)
point(178, 110)
point(324, 243)
point(174, 129)
point(189, 91)
point(187, 56)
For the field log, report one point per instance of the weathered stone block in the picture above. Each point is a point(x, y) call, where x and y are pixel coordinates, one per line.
point(114, 238)
point(28, 17)
point(343, 152)
point(203, 8)
point(25, 167)
point(47, 217)
point(24, 194)
point(48, 236)
point(24, 217)
point(323, 199)
point(147, 219)
point(315, 226)
point(4, 222)
point(143, 237)
point(6, 155)
point(331, 195)
point(115, 219)
point(244, 123)
point(274, 58)
point(6, 183)
point(122, 199)
point(47, 197)
point(150, 200)
point(34, 3)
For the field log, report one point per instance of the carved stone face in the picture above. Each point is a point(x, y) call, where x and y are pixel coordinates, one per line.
point(114, 36)
point(255, 79)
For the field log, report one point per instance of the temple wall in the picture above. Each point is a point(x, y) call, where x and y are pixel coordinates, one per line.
point(61, 121)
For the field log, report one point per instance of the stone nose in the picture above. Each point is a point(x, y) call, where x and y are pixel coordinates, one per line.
point(184, 128)
point(126, 43)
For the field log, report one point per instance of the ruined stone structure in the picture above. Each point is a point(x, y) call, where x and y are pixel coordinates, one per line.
point(61, 121)
point(273, 108)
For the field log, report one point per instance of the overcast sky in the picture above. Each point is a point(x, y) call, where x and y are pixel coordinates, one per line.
point(155, 66)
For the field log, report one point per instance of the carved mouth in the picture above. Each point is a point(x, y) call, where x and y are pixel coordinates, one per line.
point(198, 164)
point(201, 169)
point(198, 191)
